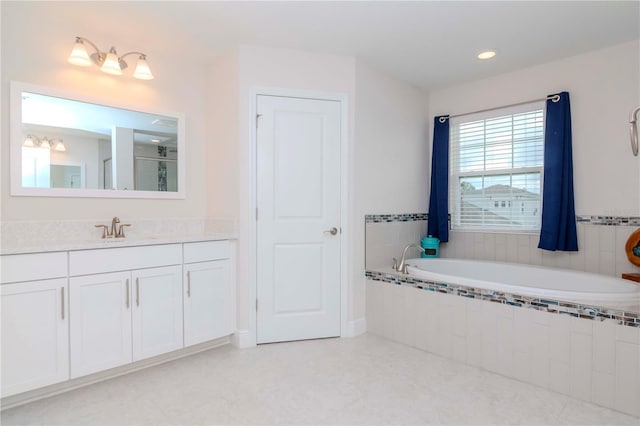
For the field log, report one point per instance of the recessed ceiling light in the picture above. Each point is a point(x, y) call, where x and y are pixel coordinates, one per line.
point(155, 140)
point(486, 54)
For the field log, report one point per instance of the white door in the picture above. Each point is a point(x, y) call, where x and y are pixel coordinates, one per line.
point(157, 311)
point(100, 322)
point(298, 225)
point(206, 301)
point(35, 335)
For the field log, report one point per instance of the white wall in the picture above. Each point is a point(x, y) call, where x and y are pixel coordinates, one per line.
point(36, 40)
point(268, 67)
point(387, 127)
point(391, 158)
point(604, 87)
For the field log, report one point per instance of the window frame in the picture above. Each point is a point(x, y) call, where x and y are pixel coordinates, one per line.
point(455, 174)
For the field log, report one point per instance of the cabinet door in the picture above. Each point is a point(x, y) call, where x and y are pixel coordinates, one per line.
point(157, 311)
point(207, 301)
point(35, 336)
point(100, 322)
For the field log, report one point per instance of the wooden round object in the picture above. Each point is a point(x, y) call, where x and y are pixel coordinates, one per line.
point(632, 248)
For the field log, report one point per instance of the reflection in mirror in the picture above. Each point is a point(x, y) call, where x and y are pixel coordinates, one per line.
point(74, 145)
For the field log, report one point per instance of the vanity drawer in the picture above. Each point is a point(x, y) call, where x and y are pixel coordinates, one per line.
point(32, 267)
point(206, 250)
point(85, 262)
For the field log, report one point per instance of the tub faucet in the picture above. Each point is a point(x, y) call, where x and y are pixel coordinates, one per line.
point(402, 266)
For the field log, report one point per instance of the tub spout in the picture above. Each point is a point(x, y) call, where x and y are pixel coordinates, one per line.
point(402, 266)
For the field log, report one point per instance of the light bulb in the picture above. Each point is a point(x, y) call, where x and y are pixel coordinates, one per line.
point(79, 55)
point(111, 64)
point(488, 54)
point(142, 71)
point(45, 143)
point(28, 142)
point(60, 146)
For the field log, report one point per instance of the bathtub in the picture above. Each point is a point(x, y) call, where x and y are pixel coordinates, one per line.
point(531, 281)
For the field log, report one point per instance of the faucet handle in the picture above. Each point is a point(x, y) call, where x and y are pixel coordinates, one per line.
point(120, 233)
point(395, 264)
point(104, 230)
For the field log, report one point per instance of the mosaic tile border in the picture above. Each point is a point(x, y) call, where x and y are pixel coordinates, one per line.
point(402, 217)
point(631, 319)
point(593, 220)
point(610, 220)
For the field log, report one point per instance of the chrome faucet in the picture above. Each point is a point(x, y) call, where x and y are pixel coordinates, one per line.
point(115, 232)
point(402, 267)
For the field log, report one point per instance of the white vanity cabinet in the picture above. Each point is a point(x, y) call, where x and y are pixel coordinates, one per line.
point(128, 315)
point(207, 291)
point(35, 315)
point(101, 322)
point(157, 311)
point(72, 313)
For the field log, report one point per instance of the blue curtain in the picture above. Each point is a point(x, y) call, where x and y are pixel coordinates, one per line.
point(558, 212)
point(438, 224)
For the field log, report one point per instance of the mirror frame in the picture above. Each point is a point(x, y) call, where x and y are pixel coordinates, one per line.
point(15, 148)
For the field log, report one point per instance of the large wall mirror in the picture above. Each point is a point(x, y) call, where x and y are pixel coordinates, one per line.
point(72, 146)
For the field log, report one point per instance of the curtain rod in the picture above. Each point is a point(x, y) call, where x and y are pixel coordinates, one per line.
point(553, 98)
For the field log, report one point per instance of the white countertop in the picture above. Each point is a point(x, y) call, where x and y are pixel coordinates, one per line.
point(8, 249)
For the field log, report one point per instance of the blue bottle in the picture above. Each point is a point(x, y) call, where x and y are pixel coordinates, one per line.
point(431, 246)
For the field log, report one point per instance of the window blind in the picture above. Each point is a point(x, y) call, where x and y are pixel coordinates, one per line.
point(496, 170)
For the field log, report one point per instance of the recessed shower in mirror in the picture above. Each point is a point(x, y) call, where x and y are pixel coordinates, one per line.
point(68, 146)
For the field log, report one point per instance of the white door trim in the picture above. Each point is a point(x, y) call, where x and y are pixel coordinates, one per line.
point(344, 217)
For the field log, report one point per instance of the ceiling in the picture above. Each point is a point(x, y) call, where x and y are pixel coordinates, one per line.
point(427, 43)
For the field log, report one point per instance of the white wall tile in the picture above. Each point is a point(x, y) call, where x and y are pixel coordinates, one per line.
point(512, 248)
point(474, 331)
point(604, 348)
point(591, 248)
point(560, 338)
point(392, 310)
point(559, 372)
point(489, 247)
point(444, 333)
point(580, 376)
point(374, 306)
point(607, 263)
point(581, 326)
point(627, 389)
point(607, 238)
point(408, 316)
point(540, 361)
point(628, 334)
point(603, 389)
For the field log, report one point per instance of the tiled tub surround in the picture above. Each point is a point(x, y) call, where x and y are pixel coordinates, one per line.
point(586, 352)
point(594, 359)
point(601, 240)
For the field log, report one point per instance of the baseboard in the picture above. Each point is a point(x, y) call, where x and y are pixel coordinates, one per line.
point(58, 388)
point(356, 327)
point(243, 339)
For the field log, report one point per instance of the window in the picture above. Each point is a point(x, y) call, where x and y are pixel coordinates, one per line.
point(497, 155)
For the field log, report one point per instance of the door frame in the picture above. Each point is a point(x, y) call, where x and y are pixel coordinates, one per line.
point(344, 192)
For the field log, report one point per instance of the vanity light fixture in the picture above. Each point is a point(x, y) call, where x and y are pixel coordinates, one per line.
point(109, 62)
point(33, 141)
point(44, 143)
point(28, 142)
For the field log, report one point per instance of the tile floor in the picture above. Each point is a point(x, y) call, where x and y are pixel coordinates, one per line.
point(364, 380)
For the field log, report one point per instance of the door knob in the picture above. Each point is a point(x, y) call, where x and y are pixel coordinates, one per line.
point(332, 231)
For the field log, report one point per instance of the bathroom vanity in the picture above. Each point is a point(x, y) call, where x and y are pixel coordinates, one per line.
point(71, 312)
